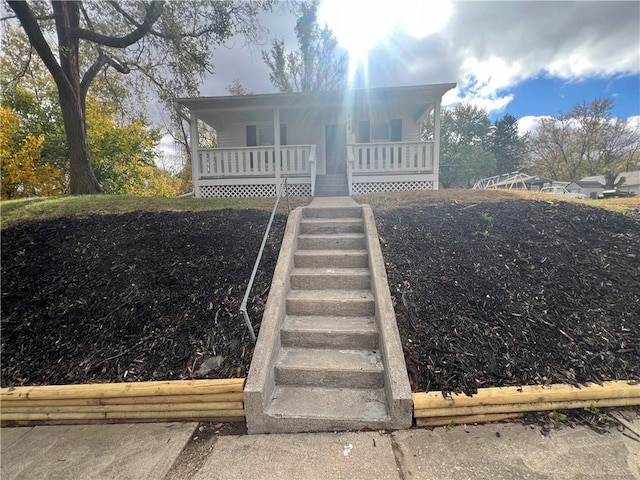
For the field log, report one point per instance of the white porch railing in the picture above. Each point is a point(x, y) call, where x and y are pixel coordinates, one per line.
point(350, 162)
point(314, 168)
point(253, 161)
point(393, 157)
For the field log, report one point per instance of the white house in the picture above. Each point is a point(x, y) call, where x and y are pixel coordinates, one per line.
point(355, 142)
point(630, 184)
point(590, 188)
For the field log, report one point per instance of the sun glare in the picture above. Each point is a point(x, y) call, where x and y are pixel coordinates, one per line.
point(361, 25)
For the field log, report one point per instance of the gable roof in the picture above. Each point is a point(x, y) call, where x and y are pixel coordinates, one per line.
point(588, 184)
point(631, 178)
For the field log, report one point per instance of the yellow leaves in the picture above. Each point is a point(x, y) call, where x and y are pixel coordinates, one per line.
point(22, 171)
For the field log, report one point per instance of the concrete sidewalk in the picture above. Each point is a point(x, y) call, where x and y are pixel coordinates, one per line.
point(184, 451)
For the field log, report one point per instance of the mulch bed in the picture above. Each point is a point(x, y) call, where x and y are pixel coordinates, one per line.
point(514, 293)
point(143, 296)
point(509, 293)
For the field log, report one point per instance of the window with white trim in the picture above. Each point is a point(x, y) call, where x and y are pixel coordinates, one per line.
point(379, 131)
point(264, 135)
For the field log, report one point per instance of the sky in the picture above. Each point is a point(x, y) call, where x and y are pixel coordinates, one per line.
point(529, 59)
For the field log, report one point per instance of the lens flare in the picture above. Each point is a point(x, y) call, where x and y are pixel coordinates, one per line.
point(361, 25)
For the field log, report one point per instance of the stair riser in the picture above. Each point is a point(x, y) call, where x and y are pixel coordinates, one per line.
point(339, 340)
point(285, 424)
point(331, 261)
point(325, 282)
point(334, 192)
point(332, 184)
point(328, 378)
point(331, 307)
point(315, 229)
point(348, 212)
point(331, 243)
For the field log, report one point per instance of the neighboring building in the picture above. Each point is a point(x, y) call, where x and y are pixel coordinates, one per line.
point(536, 184)
point(363, 141)
point(590, 188)
point(631, 183)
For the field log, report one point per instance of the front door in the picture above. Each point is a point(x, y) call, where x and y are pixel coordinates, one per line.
point(336, 148)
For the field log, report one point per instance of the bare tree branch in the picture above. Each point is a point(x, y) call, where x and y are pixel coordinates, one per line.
point(152, 14)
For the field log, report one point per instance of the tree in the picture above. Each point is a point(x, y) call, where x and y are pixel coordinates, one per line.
point(317, 65)
point(236, 88)
point(584, 142)
point(22, 171)
point(26, 88)
point(507, 146)
point(122, 147)
point(465, 146)
point(167, 43)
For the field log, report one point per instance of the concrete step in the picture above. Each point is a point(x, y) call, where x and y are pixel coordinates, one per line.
point(348, 303)
point(336, 241)
point(324, 332)
point(330, 278)
point(331, 225)
point(337, 212)
point(295, 409)
point(330, 368)
point(331, 259)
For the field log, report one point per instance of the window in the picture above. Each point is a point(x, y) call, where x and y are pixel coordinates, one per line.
point(396, 130)
point(264, 136)
point(252, 136)
point(379, 132)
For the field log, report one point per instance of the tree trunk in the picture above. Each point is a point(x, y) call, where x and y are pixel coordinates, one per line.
point(82, 180)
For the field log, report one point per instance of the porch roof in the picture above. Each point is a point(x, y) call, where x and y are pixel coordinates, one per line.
point(419, 99)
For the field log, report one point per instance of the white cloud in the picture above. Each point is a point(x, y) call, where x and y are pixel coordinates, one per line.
point(170, 156)
point(490, 47)
point(529, 123)
point(486, 47)
point(634, 122)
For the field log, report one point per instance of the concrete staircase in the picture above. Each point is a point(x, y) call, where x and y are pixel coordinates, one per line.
point(328, 355)
point(331, 185)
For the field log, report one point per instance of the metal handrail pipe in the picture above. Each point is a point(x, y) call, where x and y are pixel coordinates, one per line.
point(243, 305)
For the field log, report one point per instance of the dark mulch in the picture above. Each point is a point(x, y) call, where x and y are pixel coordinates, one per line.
point(514, 293)
point(509, 293)
point(142, 296)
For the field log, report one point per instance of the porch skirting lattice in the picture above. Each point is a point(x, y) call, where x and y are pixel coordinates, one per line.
point(235, 191)
point(381, 187)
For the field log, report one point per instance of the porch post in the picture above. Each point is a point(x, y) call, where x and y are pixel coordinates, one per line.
point(195, 160)
point(276, 143)
point(351, 140)
point(436, 144)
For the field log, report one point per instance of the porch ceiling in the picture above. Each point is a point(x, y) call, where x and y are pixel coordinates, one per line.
point(251, 108)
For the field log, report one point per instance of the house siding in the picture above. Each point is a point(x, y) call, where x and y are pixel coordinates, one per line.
point(232, 135)
point(410, 129)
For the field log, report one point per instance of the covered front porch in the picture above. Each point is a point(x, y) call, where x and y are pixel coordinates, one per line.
point(372, 139)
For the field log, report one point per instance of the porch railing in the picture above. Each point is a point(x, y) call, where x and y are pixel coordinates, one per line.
point(393, 157)
point(314, 168)
point(256, 161)
point(350, 162)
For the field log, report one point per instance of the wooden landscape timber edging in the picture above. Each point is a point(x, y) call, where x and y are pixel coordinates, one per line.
point(216, 400)
point(222, 400)
point(492, 404)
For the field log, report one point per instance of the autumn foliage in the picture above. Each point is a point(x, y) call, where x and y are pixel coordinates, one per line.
point(23, 172)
